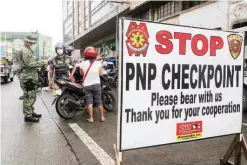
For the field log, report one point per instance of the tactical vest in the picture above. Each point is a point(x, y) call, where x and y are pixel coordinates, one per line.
point(61, 67)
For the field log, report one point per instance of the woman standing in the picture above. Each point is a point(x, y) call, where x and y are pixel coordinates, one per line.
point(92, 70)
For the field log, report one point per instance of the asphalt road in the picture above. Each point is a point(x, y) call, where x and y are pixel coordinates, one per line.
point(58, 141)
point(30, 143)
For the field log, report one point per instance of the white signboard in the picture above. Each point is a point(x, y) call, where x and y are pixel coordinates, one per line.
point(177, 84)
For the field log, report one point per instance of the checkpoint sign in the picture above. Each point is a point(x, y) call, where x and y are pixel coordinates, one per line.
point(177, 84)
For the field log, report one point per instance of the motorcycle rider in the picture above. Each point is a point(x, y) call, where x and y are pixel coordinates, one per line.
point(59, 65)
point(68, 52)
point(92, 71)
point(103, 61)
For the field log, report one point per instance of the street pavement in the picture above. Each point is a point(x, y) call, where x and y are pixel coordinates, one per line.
point(30, 143)
point(58, 141)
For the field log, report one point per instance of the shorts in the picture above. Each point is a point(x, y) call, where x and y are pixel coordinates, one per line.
point(93, 94)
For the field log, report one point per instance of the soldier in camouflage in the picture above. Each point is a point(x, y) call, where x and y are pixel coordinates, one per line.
point(18, 72)
point(29, 78)
point(59, 65)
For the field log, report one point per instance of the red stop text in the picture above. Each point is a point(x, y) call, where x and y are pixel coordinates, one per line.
point(165, 46)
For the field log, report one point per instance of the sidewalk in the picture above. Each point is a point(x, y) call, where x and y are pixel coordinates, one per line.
point(30, 143)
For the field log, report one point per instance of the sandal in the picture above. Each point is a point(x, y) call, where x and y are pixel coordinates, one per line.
point(102, 119)
point(90, 121)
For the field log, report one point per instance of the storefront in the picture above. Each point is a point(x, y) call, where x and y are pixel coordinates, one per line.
point(107, 48)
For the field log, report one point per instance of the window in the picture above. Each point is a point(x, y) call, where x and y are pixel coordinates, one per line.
point(79, 28)
point(167, 9)
point(96, 4)
point(67, 29)
point(79, 7)
point(86, 14)
point(86, 23)
point(86, 8)
point(74, 31)
point(74, 5)
point(143, 15)
point(79, 16)
point(99, 49)
point(68, 25)
point(68, 36)
point(65, 10)
point(100, 13)
point(69, 8)
point(189, 4)
point(86, 3)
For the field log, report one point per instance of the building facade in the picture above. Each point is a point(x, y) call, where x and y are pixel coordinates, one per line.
point(94, 22)
point(12, 42)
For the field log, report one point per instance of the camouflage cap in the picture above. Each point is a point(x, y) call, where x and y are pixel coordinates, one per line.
point(31, 38)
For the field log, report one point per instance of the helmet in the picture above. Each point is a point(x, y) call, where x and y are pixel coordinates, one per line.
point(90, 52)
point(59, 45)
point(69, 50)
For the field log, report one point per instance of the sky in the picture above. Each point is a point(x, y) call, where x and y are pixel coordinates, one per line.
point(31, 15)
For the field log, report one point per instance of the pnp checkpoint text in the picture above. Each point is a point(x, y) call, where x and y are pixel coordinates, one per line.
point(182, 76)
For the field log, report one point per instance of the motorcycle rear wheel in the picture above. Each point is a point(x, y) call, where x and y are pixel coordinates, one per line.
point(109, 99)
point(60, 111)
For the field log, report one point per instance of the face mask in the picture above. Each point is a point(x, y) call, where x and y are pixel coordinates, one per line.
point(60, 51)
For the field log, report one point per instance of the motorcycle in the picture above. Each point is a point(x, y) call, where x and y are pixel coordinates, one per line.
point(43, 80)
point(70, 98)
point(110, 73)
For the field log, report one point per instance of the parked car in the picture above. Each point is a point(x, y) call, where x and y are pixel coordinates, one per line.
point(6, 74)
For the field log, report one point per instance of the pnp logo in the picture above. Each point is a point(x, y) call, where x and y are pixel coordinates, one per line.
point(137, 39)
point(235, 44)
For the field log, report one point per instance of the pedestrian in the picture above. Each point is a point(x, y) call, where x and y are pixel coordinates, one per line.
point(59, 65)
point(92, 70)
point(29, 78)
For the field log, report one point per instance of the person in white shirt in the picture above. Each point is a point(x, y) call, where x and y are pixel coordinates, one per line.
point(92, 70)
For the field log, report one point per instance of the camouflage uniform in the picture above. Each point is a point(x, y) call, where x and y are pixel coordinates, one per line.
point(29, 79)
point(17, 72)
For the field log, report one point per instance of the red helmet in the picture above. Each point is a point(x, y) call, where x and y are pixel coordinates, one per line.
point(90, 52)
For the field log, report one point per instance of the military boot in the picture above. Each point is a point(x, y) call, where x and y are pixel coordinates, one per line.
point(36, 115)
point(21, 98)
point(31, 119)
